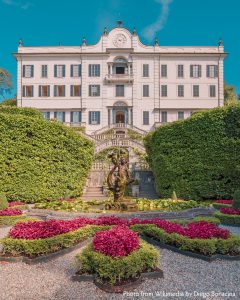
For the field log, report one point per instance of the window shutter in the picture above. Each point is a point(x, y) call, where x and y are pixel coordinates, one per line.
point(98, 90)
point(48, 90)
point(89, 70)
point(80, 90)
point(63, 115)
point(71, 71)
point(32, 91)
point(64, 90)
point(24, 67)
point(55, 70)
point(43, 71)
point(199, 71)
point(79, 70)
point(191, 71)
point(208, 71)
point(71, 119)
point(32, 71)
point(98, 74)
point(89, 90)
point(80, 116)
point(23, 91)
point(55, 91)
point(55, 115)
point(216, 71)
point(90, 117)
point(64, 71)
point(71, 90)
point(40, 91)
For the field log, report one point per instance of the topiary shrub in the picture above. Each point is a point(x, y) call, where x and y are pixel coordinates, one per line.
point(3, 201)
point(198, 157)
point(43, 160)
point(236, 199)
point(174, 196)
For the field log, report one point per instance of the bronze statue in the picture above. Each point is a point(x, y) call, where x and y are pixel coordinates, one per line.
point(119, 176)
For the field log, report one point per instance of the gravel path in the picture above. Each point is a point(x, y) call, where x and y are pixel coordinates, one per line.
point(51, 281)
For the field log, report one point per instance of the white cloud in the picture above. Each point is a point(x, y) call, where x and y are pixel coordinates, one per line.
point(150, 31)
point(22, 5)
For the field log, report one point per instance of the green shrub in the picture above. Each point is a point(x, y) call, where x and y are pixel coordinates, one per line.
point(197, 219)
point(73, 206)
point(12, 220)
point(42, 159)
point(236, 199)
point(220, 205)
point(115, 270)
point(3, 201)
point(198, 157)
point(33, 248)
point(225, 219)
point(202, 246)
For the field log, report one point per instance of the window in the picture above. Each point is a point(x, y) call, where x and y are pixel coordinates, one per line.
point(164, 116)
point(196, 91)
point(59, 115)
point(212, 91)
point(180, 90)
point(145, 117)
point(180, 71)
point(27, 91)
point(94, 117)
point(145, 90)
point(46, 115)
point(76, 116)
point(75, 91)
point(59, 71)
point(28, 71)
point(44, 71)
point(145, 70)
point(163, 70)
point(119, 90)
point(76, 70)
point(94, 90)
point(94, 70)
point(44, 90)
point(195, 71)
point(180, 115)
point(59, 90)
point(164, 90)
point(212, 71)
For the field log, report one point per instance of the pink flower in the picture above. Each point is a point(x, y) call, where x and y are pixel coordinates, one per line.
point(117, 242)
point(230, 202)
point(230, 211)
point(15, 203)
point(10, 212)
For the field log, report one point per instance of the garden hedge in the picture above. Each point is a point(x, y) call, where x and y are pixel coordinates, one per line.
point(227, 219)
point(40, 159)
point(199, 157)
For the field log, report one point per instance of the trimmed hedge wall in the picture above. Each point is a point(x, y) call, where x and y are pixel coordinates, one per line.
point(39, 159)
point(199, 158)
point(225, 219)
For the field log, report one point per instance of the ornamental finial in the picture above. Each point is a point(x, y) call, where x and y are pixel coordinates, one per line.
point(156, 42)
point(20, 43)
point(220, 42)
point(134, 31)
point(84, 42)
point(119, 22)
point(105, 32)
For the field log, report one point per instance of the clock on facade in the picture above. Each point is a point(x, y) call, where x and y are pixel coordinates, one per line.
point(119, 40)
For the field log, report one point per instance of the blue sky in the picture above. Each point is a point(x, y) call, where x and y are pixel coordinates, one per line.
point(175, 22)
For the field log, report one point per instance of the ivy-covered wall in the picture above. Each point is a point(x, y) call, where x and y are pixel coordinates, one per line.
point(199, 158)
point(40, 159)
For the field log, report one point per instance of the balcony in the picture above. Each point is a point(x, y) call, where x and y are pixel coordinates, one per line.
point(119, 78)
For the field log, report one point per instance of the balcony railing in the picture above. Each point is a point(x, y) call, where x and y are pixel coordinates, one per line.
point(112, 78)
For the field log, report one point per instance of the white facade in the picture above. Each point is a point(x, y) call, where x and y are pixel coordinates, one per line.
point(153, 84)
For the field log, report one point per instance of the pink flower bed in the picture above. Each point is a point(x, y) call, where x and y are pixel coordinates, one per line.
point(15, 203)
point(230, 202)
point(117, 242)
point(230, 211)
point(10, 212)
point(45, 229)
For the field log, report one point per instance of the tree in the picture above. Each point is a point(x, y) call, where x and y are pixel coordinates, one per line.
point(10, 102)
point(230, 96)
point(5, 82)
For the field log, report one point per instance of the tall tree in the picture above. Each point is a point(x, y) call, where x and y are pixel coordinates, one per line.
point(6, 84)
point(10, 101)
point(230, 96)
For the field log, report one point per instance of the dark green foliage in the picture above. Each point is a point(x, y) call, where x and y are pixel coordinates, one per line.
point(221, 205)
point(203, 246)
point(33, 248)
point(12, 220)
point(236, 199)
point(115, 270)
point(3, 201)
point(196, 219)
point(199, 157)
point(226, 219)
point(40, 159)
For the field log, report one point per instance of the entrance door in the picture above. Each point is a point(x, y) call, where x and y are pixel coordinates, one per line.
point(120, 117)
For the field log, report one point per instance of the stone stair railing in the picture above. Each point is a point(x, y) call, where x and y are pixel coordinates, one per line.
point(119, 126)
point(119, 143)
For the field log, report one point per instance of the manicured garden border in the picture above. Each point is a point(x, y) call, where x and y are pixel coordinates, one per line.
point(153, 235)
point(227, 219)
point(221, 205)
point(12, 220)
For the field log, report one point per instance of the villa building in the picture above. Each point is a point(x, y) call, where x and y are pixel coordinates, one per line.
point(120, 81)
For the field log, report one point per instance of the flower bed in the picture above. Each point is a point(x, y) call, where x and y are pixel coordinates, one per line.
point(229, 216)
point(10, 212)
point(117, 269)
point(222, 203)
point(42, 237)
point(17, 204)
